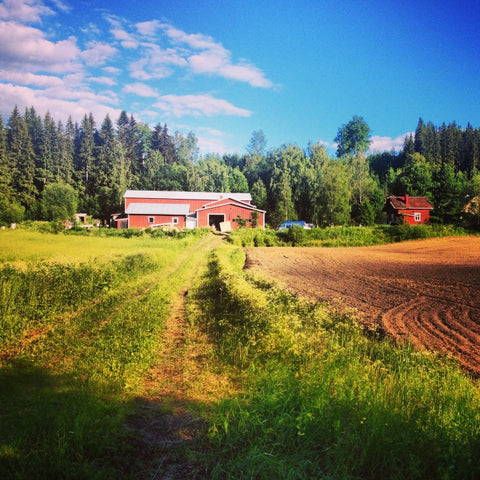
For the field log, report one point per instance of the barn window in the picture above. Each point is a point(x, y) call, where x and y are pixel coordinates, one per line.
point(151, 219)
point(417, 216)
point(174, 220)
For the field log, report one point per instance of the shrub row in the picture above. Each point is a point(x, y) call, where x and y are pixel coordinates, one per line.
point(340, 236)
point(57, 227)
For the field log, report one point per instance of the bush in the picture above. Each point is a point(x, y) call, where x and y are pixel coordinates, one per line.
point(10, 211)
point(293, 236)
point(340, 236)
point(254, 237)
point(59, 202)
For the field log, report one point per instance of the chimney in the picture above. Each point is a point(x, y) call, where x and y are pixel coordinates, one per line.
point(406, 198)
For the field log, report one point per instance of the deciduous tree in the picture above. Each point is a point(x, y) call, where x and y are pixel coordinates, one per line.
point(353, 138)
point(58, 202)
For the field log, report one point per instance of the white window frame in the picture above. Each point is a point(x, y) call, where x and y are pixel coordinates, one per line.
point(417, 216)
point(175, 220)
point(151, 219)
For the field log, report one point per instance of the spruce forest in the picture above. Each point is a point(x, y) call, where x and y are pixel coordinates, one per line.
point(50, 170)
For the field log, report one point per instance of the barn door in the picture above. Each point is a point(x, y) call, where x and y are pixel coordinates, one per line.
point(215, 220)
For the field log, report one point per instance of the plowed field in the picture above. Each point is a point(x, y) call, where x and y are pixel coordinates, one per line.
point(427, 290)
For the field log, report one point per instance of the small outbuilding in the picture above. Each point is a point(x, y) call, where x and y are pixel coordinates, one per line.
point(149, 208)
point(407, 209)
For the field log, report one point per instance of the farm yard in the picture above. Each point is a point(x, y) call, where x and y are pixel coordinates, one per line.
point(425, 291)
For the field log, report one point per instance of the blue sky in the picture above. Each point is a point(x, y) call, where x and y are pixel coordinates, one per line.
point(297, 70)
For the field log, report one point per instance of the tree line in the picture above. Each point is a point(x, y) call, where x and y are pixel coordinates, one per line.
point(50, 170)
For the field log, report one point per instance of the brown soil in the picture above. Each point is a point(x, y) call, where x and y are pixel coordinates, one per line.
point(426, 291)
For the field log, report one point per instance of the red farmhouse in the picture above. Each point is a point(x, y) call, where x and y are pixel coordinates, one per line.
point(413, 210)
point(189, 210)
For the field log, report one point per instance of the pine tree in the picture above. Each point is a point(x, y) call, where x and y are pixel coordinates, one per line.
point(162, 142)
point(86, 153)
point(470, 150)
point(129, 137)
point(22, 160)
point(63, 166)
point(47, 171)
point(109, 173)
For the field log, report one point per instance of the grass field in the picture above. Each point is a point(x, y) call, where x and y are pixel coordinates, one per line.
point(262, 384)
point(322, 400)
point(81, 324)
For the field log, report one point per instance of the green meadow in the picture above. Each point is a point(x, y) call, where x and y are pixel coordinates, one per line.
point(81, 321)
point(310, 395)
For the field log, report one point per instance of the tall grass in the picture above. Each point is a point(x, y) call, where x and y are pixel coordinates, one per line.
point(90, 331)
point(322, 399)
point(340, 236)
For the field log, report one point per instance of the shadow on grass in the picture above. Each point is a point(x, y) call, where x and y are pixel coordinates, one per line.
point(53, 426)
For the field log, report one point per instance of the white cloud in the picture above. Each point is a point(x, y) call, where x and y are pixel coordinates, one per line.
point(200, 53)
point(155, 63)
point(25, 78)
point(59, 108)
point(210, 61)
point(387, 144)
point(146, 69)
point(112, 70)
point(54, 74)
point(209, 131)
point(213, 58)
point(168, 56)
point(23, 10)
point(246, 73)
point(98, 53)
point(196, 41)
point(102, 80)
point(81, 95)
point(138, 69)
point(127, 40)
point(211, 140)
point(27, 48)
point(198, 105)
point(148, 28)
point(140, 89)
point(211, 145)
point(61, 6)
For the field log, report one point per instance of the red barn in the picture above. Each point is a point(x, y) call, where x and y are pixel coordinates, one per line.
point(222, 211)
point(413, 210)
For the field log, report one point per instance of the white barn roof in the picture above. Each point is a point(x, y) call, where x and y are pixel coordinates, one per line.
point(210, 196)
point(158, 209)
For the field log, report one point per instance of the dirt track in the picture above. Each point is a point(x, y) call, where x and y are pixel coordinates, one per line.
point(426, 290)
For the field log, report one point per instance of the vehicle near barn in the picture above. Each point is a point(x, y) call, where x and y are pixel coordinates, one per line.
point(295, 223)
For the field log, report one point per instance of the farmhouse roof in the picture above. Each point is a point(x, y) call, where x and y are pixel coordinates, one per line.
point(209, 196)
point(158, 209)
point(409, 203)
point(229, 201)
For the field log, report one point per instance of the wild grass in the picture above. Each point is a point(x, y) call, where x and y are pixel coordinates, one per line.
point(21, 246)
point(324, 400)
point(350, 236)
point(318, 398)
point(77, 340)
